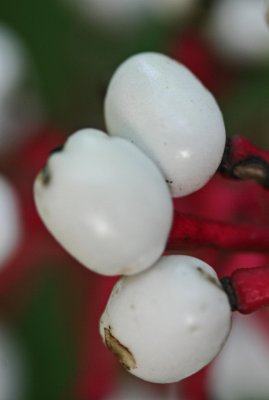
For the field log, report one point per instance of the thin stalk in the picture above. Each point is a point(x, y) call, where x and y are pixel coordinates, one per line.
point(190, 232)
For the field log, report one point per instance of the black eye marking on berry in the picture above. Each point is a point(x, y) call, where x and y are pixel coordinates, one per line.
point(229, 290)
point(56, 149)
point(209, 278)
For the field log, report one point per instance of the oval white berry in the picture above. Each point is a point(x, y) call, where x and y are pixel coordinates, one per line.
point(162, 107)
point(10, 225)
point(168, 322)
point(106, 203)
point(237, 29)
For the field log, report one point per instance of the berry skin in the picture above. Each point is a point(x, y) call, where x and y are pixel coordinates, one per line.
point(169, 321)
point(159, 105)
point(105, 202)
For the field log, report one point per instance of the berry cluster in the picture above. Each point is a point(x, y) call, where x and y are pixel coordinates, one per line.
point(108, 201)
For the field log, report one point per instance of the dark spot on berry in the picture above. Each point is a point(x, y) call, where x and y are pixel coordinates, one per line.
point(116, 291)
point(45, 176)
point(209, 278)
point(123, 354)
point(169, 182)
point(56, 149)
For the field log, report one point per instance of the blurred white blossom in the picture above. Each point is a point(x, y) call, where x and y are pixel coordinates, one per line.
point(13, 373)
point(10, 225)
point(237, 30)
point(171, 8)
point(20, 110)
point(241, 371)
point(131, 388)
point(128, 13)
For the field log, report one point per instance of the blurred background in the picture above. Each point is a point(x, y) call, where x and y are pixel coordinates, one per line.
point(56, 60)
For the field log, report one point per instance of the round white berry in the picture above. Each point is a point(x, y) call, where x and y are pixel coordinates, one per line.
point(10, 226)
point(162, 107)
point(237, 29)
point(106, 203)
point(168, 322)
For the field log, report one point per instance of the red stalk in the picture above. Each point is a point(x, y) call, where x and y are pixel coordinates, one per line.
point(192, 232)
point(248, 289)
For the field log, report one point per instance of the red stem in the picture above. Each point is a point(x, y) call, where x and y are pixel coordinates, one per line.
point(243, 160)
point(248, 289)
point(191, 232)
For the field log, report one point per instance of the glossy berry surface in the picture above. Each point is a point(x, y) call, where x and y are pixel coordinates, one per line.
point(105, 202)
point(159, 105)
point(169, 321)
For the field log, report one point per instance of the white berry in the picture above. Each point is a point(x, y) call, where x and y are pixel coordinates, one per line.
point(238, 30)
point(162, 107)
point(168, 322)
point(10, 225)
point(106, 203)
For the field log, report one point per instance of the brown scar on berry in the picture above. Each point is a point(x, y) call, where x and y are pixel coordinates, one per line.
point(209, 278)
point(123, 354)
